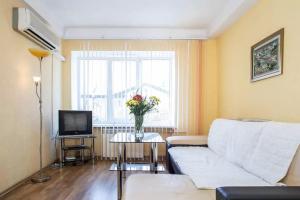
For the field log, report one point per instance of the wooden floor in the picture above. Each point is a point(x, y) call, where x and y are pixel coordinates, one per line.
point(85, 182)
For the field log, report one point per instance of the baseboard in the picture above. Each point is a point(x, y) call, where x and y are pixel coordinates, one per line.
point(18, 184)
point(22, 182)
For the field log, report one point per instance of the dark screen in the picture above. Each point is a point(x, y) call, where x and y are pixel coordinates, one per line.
point(75, 122)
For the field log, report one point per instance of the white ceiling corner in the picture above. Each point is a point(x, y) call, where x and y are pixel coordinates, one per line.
point(232, 12)
point(140, 19)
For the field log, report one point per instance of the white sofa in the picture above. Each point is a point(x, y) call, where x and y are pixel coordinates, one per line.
point(237, 154)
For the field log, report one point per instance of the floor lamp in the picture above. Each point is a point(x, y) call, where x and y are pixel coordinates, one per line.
point(40, 54)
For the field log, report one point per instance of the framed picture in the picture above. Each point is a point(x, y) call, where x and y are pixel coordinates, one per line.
point(267, 57)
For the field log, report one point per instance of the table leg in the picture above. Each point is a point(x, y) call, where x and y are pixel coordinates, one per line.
point(82, 150)
point(154, 157)
point(61, 152)
point(124, 153)
point(93, 150)
point(124, 159)
point(119, 183)
point(151, 158)
point(119, 171)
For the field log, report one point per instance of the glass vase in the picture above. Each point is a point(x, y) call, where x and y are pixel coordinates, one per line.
point(138, 127)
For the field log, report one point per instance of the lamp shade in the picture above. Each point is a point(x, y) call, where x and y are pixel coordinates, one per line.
point(39, 53)
point(36, 79)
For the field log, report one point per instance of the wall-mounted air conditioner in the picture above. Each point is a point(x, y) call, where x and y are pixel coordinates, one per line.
point(33, 27)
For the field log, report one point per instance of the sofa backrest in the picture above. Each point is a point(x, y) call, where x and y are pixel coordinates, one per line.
point(234, 139)
point(274, 153)
point(218, 135)
point(244, 142)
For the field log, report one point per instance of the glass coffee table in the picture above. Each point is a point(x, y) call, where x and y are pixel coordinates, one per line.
point(122, 166)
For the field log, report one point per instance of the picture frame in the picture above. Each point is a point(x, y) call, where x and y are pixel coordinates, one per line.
point(267, 57)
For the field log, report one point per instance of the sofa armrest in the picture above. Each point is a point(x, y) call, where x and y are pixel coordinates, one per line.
point(258, 193)
point(186, 141)
point(175, 141)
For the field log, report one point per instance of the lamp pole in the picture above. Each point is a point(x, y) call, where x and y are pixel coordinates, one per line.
point(41, 119)
point(40, 177)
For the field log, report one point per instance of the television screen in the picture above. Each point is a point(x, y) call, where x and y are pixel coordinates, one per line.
point(75, 122)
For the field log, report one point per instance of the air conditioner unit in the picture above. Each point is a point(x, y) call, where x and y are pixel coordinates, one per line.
point(33, 27)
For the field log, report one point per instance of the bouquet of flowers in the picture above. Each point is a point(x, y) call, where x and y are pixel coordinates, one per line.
point(139, 106)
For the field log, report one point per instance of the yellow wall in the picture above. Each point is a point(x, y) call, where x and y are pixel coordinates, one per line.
point(208, 85)
point(19, 119)
point(275, 98)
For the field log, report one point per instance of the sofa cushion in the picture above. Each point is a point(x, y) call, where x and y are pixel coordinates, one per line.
point(162, 187)
point(219, 132)
point(275, 151)
point(209, 170)
point(242, 141)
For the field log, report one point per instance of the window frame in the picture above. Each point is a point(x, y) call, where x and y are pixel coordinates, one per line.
point(109, 93)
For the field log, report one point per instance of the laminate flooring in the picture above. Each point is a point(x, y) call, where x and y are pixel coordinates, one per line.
point(84, 182)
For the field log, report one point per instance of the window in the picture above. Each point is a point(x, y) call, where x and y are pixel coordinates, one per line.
point(102, 81)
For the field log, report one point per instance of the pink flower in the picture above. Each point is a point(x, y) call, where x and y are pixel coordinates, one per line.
point(138, 98)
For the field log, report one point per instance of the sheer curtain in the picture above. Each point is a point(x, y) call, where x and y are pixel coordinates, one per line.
point(106, 73)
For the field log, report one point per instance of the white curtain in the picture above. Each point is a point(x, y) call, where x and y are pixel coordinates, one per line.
point(106, 73)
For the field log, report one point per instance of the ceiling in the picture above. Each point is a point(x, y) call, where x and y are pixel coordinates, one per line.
point(136, 13)
point(90, 19)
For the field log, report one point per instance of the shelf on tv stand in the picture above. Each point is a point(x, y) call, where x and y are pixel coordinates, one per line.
point(75, 160)
point(80, 147)
point(75, 147)
point(76, 136)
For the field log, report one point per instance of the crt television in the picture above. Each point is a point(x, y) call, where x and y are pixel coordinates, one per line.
point(73, 122)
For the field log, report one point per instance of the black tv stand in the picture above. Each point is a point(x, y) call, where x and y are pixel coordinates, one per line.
point(78, 147)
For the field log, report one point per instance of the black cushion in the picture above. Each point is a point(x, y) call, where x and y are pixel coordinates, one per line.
point(258, 193)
